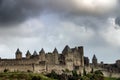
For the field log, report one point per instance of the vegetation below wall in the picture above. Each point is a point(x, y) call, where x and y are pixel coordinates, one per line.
point(106, 78)
point(93, 75)
point(22, 76)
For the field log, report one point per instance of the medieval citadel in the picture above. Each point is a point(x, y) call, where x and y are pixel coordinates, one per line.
point(70, 58)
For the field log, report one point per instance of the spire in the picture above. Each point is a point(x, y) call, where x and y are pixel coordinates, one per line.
point(66, 49)
point(55, 51)
point(18, 54)
point(35, 53)
point(18, 51)
point(94, 57)
point(28, 53)
point(42, 51)
point(94, 61)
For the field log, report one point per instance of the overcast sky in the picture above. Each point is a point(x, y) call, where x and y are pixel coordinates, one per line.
point(35, 24)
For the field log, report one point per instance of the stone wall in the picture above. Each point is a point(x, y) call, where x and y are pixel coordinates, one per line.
point(43, 62)
point(11, 68)
point(108, 74)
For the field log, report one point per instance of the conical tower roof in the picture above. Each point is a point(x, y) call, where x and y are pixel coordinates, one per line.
point(55, 51)
point(94, 57)
point(42, 51)
point(35, 53)
point(66, 49)
point(18, 51)
point(28, 53)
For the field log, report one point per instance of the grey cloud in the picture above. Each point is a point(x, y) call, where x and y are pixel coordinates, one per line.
point(52, 34)
point(17, 11)
point(117, 21)
point(96, 23)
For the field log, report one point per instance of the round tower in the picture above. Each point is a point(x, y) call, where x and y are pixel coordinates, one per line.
point(42, 55)
point(18, 54)
point(28, 54)
point(55, 52)
point(66, 50)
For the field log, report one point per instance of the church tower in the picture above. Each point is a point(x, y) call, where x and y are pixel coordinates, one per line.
point(94, 61)
point(18, 54)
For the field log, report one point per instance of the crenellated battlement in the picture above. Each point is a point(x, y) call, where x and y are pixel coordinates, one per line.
point(70, 57)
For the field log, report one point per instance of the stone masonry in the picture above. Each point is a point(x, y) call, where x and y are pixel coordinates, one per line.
point(70, 58)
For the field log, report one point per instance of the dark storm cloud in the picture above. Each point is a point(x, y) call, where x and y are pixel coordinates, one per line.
point(1, 2)
point(70, 23)
point(16, 11)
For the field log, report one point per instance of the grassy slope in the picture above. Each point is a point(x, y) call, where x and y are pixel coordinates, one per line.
point(28, 76)
point(21, 76)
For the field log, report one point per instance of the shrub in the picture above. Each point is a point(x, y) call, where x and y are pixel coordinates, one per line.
point(63, 77)
point(118, 79)
point(74, 73)
point(98, 72)
point(53, 75)
point(84, 78)
point(36, 78)
point(29, 71)
point(98, 75)
point(6, 70)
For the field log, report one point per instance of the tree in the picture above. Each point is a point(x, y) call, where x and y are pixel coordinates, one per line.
point(74, 73)
point(98, 75)
point(92, 70)
point(36, 78)
point(53, 75)
point(84, 72)
point(98, 72)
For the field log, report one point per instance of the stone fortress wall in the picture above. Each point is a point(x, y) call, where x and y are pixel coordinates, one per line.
point(70, 58)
